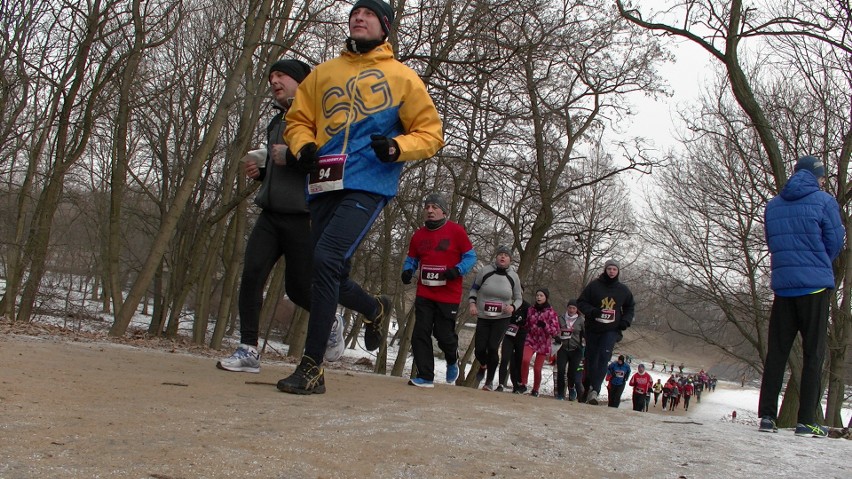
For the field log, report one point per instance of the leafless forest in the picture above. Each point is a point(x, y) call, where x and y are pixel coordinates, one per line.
point(123, 122)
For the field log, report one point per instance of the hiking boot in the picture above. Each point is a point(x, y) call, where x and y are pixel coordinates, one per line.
point(452, 373)
point(572, 395)
point(421, 383)
point(480, 375)
point(593, 398)
point(336, 345)
point(373, 333)
point(308, 378)
point(500, 388)
point(810, 430)
point(767, 424)
point(245, 359)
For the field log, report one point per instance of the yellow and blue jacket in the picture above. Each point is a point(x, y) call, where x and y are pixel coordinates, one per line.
point(345, 100)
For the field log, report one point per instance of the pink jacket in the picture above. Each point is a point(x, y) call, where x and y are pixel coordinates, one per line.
point(539, 339)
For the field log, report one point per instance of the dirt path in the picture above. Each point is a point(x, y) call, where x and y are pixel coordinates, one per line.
point(99, 409)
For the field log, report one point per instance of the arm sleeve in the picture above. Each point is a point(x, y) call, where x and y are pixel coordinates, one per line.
point(584, 303)
point(424, 134)
point(833, 233)
point(410, 263)
point(301, 117)
point(628, 308)
point(468, 260)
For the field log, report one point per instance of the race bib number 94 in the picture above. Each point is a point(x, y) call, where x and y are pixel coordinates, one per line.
point(329, 176)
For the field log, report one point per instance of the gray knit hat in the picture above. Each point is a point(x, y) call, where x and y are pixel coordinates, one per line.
point(437, 200)
point(503, 249)
point(612, 262)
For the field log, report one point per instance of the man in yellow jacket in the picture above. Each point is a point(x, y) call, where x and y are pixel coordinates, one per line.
point(354, 120)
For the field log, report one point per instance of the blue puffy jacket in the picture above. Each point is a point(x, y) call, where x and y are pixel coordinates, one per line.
point(804, 234)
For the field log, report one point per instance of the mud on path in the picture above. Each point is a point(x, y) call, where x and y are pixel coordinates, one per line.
point(85, 409)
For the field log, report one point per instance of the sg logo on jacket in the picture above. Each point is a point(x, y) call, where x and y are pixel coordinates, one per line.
point(363, 95)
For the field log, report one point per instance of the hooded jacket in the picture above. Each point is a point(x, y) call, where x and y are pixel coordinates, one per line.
point(605, 293)
point(344, 101)
point(804, 234)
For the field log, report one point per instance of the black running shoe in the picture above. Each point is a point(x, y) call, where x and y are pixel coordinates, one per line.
point(373, 333)
point(767, 424)
point(308, 378)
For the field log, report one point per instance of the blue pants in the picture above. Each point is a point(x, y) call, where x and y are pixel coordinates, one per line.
point(598, 354)
point(339, 222)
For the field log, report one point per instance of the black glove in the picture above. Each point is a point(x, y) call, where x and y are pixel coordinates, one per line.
point(407, 275)
point(557, 340)
point(452, 273)
point(541, 324)
point(386, 148)
point(307, 161)
point(622, 325)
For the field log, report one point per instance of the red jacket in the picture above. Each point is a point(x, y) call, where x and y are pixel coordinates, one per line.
point(642, 383)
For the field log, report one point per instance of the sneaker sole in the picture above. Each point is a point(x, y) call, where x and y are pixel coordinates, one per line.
point(426, 386)
point(808, 434)
point(238, 369)
point(767, 430)
point(302, 392)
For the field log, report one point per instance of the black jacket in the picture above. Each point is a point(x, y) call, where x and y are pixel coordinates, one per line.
point(283, 189)
point(605, 293)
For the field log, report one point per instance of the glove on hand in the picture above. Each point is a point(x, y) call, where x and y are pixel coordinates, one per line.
point(622, 325)
point(308, 162)
point(452, 273)
point(557, 340)
point(407, 275)
point(541, 324)
point(386, 149)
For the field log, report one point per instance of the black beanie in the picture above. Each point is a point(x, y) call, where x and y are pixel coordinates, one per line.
point(294, 69)
point(381, 9)
point(546, 293)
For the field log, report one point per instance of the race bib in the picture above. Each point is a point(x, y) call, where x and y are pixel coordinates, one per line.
point(607, 316)
point(512, 330)
point(565, 334)
point(492, 308)
point(432, 275)
point(329, 176)
point(619, 374)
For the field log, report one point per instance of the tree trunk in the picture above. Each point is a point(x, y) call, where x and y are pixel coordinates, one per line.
point(255, 26)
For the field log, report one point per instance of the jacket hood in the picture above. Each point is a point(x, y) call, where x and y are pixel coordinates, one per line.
point(801, 184)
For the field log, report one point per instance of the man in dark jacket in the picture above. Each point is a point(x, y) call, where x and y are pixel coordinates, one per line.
point(804, 234)
point(608, 307)
point(283, 227)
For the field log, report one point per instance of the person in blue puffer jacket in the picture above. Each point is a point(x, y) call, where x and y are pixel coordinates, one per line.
point(804, 234)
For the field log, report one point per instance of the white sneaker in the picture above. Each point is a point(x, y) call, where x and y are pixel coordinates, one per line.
point(244, 360)
point(336, 345)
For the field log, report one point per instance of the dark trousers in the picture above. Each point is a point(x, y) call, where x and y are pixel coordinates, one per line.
point(274, 235)
point(511, 355)
point(614, 399)
point(639, 402)
point(807, 315)
point(433, 319)
point(487, 337)
point(567, 362)
point(339, 222)
point(598, 354)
